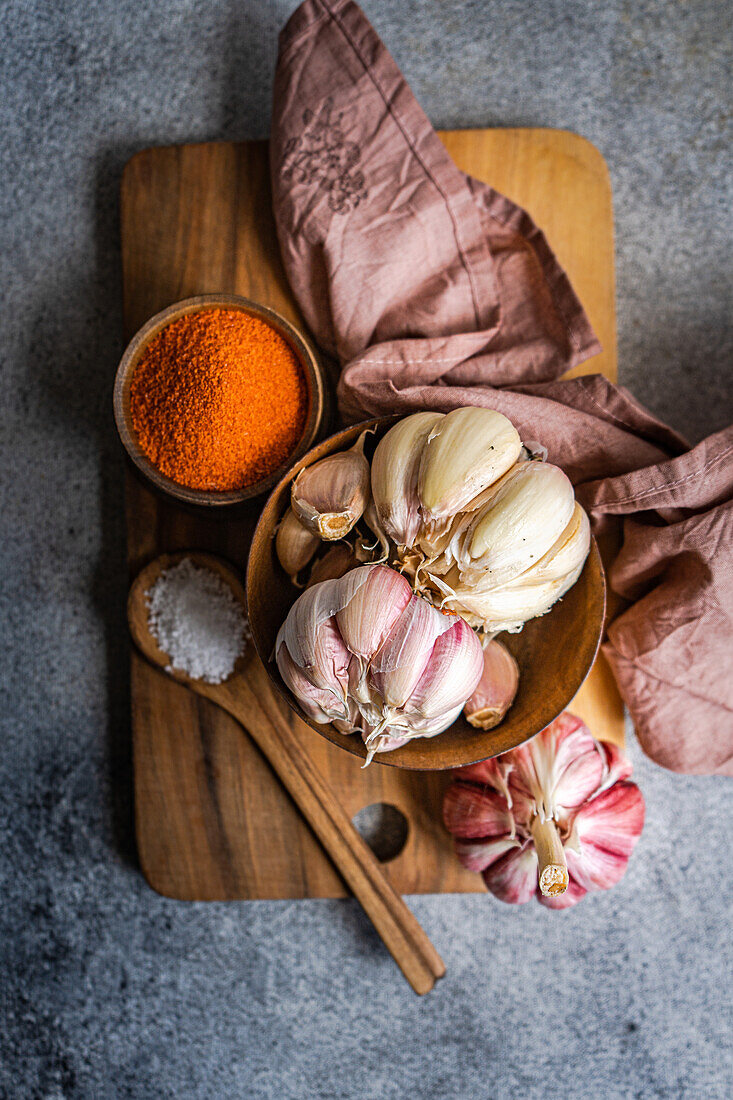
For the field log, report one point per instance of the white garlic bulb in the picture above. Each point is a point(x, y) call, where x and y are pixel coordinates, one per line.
point(480, 527)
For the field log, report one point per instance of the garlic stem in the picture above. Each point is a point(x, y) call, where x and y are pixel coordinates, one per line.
point(553, 868)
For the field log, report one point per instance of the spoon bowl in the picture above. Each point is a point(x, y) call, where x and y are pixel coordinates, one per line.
point(137, 610)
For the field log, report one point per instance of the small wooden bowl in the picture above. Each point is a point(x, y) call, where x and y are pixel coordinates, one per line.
point(555, 653)
point(307, 358)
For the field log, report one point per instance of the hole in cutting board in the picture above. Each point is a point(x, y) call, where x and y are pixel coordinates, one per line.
point(384, 828)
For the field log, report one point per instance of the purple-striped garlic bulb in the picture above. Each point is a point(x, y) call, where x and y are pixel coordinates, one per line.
point(367, 654)
point(554, 819)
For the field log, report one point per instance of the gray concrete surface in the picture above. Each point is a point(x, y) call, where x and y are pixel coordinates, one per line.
point(107, 990)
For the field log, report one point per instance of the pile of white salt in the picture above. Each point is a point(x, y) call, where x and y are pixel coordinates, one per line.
point(196, 619)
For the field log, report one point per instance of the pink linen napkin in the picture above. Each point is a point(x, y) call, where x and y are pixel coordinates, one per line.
point(434, 291)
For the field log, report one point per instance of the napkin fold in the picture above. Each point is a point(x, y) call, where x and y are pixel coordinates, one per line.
point(434, 291)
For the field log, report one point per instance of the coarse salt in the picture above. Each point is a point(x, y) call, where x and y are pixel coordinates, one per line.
point(197, 621)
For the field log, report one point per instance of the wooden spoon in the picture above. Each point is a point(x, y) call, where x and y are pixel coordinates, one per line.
point(249, 697)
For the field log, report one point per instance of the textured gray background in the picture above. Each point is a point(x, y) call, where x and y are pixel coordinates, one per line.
point(107, 990)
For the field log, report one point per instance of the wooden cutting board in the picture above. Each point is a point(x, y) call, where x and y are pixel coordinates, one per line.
point(212, 821)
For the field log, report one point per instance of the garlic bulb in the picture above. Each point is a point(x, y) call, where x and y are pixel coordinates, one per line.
point(368, 654)
point(330, 496)
point(495, 690)
point(481, 527)
point(295, 545)
point(563, 797)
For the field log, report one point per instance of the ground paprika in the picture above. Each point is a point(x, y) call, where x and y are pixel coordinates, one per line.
point(218, 400)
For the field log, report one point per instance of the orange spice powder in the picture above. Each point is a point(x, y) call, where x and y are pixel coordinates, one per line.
point(218, 400)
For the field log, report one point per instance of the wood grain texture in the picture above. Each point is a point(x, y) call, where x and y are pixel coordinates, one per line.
point(212, 821)
point(246, 694)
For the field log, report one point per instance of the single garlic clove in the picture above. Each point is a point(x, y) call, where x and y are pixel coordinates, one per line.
point(470, 812)
point(295, 545)
point(617, 766)
point(313, 640)
point(330, 496)
point(578, 765)
point(478, 855)
point(452, 672)
point(318, 703)
point(513, 878)
point(565, 556)
point(495, 690)
point(374, 597)
point(399, 664)
point(395, 468)
point(337, 561)
point(518, 525)
point(466, 451)
point(612, 821)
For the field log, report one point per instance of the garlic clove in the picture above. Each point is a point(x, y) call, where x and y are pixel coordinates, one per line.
point(374, 597)
point(477, 855)
point(595, 868)
point(319, 704)
point(471, 813)
point(452, 672)
point(518, 525)
point(330, 496)
point(564, 557)
point(578, 762)
point(612, 821)
point(365, 551)
point(513, 878)
point(490, 772)
point(394, 474)
point(616, 764)
point(295, 545)
point(467, 450)
point(313, 640)
point(495, 690)
point(337, 561)
point(399, 664)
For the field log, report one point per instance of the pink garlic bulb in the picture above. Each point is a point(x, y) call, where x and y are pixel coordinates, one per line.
point(366, 653)
point(563, 783)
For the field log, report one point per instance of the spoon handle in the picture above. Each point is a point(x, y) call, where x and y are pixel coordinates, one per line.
point(250, 699)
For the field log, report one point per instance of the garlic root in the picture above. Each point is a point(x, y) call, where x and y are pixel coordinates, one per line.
point(553, 868)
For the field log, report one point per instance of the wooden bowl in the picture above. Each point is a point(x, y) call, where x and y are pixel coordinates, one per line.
point(300, 345)
point(555, 653)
